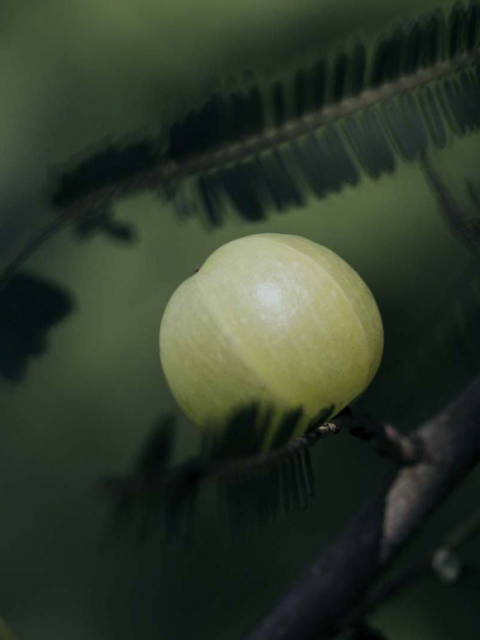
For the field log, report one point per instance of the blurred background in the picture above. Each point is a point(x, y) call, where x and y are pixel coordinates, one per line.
point(73, 74)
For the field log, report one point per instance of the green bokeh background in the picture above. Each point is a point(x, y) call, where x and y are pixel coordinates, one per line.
point(74, 73)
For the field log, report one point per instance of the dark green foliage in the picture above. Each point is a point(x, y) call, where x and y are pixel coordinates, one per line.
point(404, 124)
point(243, 437)
point(300, 90)
point(281, 186)
point(460, 220)
point(255, 494)
point(102, 221)
point(242, 185)
point(430, 108)
point(387, 60)
point(367, 137)
point(254, 486)
point(287, 426)
point(272, 172)
point(358, 64)
point(309, 476)
point(365, 632)
point(434, 35)
point(106, 167)
point(472, 25)
point(457, 31)
point(320, 79)
point(29, 307)
point(279, 104)
point(414, 53)
point(157, 451)
point(152, 493)
point(208, 189)
point(149, 472)
point(340, 78)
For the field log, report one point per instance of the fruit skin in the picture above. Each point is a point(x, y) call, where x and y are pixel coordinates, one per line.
point(272, 318)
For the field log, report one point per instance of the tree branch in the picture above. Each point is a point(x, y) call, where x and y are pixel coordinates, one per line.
point(401, 448)
point(318, 604)
point(443, 562)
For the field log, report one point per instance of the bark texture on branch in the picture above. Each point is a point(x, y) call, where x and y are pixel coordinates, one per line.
point(319, 601)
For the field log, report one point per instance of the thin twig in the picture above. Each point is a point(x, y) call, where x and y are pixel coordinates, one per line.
point(401, 448)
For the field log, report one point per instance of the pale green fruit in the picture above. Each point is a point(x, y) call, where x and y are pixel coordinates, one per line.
point(270, 318)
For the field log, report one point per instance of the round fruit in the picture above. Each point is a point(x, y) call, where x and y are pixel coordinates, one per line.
point(270, 318)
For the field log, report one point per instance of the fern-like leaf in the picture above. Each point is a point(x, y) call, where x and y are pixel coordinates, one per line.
point(264, 147)
point(254, 485)
point(29, 307)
